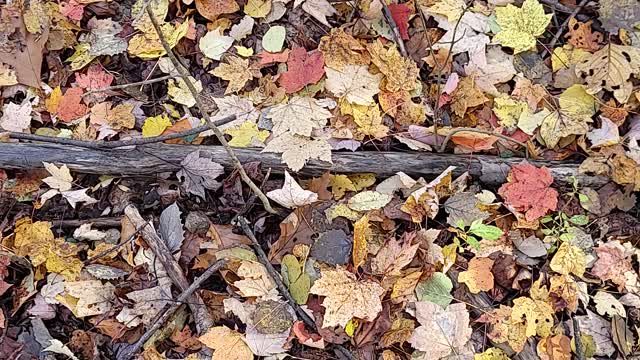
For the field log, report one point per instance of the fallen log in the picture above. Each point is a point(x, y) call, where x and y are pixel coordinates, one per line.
point(156, 158)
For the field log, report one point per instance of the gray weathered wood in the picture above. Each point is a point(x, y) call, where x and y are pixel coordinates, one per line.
point(156, 158)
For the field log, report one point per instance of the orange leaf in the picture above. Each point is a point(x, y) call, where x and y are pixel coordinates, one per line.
point(529, 191)
point(70, 106)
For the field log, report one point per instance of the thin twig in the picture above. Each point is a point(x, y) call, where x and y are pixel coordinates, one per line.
point(282, 288)
point(577, 338)
point(443, 147)
point(124, 86)
point(394, 27)
point(165, 314)
point(97, 222)
point(111, 249)
point(556, 4)
point(556, 37)
point(185, 77)
point(99, 145)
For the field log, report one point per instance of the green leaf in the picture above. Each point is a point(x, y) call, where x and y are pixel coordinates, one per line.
point(583, 198)
point(488, 232)
point(579, 219)
point(273, 40)
point(473, 242)
point(436, 289)
point(546, 219)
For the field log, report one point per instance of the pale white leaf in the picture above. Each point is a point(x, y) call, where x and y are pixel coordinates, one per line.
point(292, 195)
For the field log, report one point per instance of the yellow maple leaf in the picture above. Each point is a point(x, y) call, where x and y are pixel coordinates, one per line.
point(569, 259)
point(361, 234)
point(401, 73)
point(236, 71)
point(491, 354)
point(154, 126)
point(537, 315)
point(36, 241)
point(564, 57)
point(147, 45)
point(247, 134)
point(519, 27)
point(368, 119)
point(509, 111)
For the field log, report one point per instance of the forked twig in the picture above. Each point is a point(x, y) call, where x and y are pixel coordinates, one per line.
point(185, 77)
point(165, 314)
point(282, 288)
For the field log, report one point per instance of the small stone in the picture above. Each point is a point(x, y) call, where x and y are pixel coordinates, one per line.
point(196, 222)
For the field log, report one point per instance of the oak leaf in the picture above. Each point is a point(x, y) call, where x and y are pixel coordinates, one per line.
point(303, 68)
point(297, 150)
point(347, 297)
point(292, 195)
point(529, 191)
point(478, 275)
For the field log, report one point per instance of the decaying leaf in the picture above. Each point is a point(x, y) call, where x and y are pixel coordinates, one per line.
point(441, 330)
point(347, 297)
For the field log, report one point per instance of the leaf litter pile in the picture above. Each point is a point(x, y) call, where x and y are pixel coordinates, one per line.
point(219, 262)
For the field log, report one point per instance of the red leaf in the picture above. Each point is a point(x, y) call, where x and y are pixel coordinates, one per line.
point(95, 78)
point(529, 191)
point(70, 106)
point(400, 14)
point(302, 69)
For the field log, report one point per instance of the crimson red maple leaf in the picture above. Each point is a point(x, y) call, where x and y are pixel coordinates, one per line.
point(529, 191)
point(302, 69)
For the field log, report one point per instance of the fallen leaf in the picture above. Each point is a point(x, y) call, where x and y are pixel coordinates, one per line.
point(297, 150)
point(368, 200)
point(93, 297)
point(346, 297)
point(436, 289)
point(441, 330)
point(247, 135)
point(242, 29)
point(581, 36)
point(273, 39)
point(361, 234)
point(519, 27)
point(228, 344)
point(607, 135)
point(236, 71)
point(400, 14)
point(556, 347)
point(529, 191)
point(319, 9)
point(299, 116)
point(569, 259)
point(70, 106)
point(576, 109)
point(478, 276)
point(291, 195)
point(155, 126)
point(179, 92)
point(212, 9)
point(256, 281)
point(213, 44)
point(393, 257)
point(302, 69)
point(610, 69)
point(607, 304)
point(612, 263)
point(199, 173)
point(355, 83)
point(401, 73)
point(257, 8)
point(537, 315)
point(16, 117)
